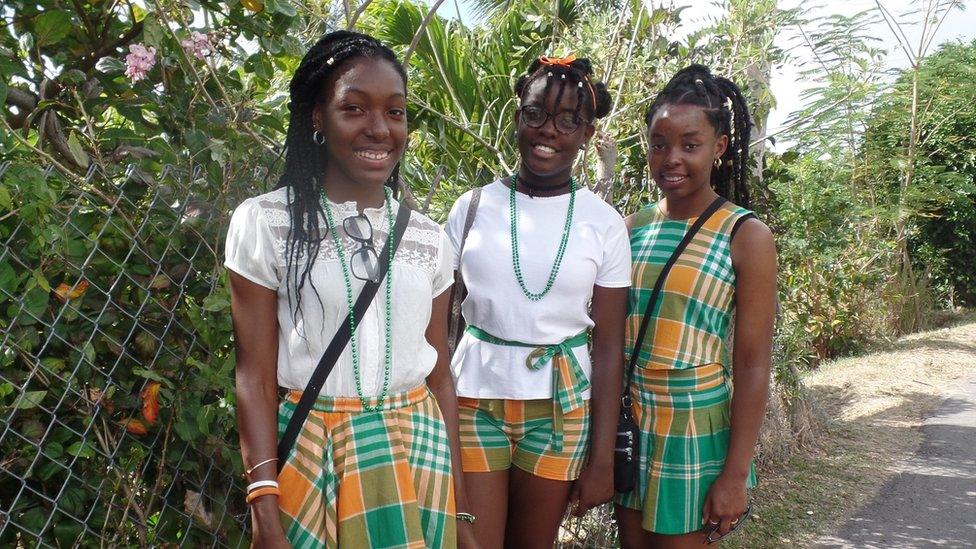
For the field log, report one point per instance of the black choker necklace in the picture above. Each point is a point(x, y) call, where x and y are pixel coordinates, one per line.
point(541, 188)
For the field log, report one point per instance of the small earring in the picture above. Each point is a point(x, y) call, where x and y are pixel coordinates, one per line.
point(717, 163)
point(318, 138)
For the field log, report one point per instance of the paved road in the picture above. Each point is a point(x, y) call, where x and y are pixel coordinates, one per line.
point(932, 502)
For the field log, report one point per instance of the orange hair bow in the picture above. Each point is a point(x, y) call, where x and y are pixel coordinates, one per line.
point(562, 61)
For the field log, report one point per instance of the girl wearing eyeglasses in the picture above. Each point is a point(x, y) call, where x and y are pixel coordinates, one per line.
point(372, 465)
point(547, 264)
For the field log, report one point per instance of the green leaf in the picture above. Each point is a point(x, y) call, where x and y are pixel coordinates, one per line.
point(53, 364)
point(110, 64)
point(6, 202)
point(81, 449)
point(31, 399)
point(41, 280)
point(35, 302)
point(153, 32)
point(8, 277)
point(73, 76)
point(215, 303)
point(79, 154)
point(3, 91)
point(51, 26)
point(149, 374)
point(89, 352)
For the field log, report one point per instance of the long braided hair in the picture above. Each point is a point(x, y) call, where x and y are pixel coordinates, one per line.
point(305, 160)
point(576, 74)
point(727, 112)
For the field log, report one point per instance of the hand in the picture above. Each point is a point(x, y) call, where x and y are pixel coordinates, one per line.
point(465, 536)
point(593, 487)
point(606, 153)
point(724, 503)
point(266, 531)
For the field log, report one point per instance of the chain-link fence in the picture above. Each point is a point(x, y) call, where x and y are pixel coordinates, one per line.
point(116, 366)
point(115, 426)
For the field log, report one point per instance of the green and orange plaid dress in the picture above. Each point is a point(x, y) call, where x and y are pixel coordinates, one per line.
point(358, 479)
point(682, 383)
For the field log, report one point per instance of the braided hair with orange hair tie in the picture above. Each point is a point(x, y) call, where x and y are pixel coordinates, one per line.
point(569, 71)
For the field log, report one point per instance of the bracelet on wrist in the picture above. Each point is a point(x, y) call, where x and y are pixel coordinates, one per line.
point(247, 472)
point(265, 491)
point(261, 484)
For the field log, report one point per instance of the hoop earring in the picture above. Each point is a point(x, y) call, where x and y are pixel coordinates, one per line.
point(318, 138)
point(717, 163)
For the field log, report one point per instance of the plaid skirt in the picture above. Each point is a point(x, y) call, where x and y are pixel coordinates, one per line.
point(368, 479)
point(684, 418)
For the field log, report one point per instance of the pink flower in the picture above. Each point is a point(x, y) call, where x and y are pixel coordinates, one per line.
point(198, 44)
point(139, 61)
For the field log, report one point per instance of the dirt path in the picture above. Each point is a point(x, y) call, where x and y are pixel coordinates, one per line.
point(892, 464)
point(932, 500)
point(915, 410)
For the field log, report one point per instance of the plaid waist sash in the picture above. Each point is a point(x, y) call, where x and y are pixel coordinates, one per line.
point(568, 379)
point(684, 380)
point(355, 405)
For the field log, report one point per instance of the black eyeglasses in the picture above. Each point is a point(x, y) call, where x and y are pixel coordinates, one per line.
point(712, 534)
point(365, 262)
point(536, 117)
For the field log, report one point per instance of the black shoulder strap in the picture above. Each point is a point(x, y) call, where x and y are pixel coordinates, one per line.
point(457, 295)
point(659, 284)
point(469, 216)
point(339, 342)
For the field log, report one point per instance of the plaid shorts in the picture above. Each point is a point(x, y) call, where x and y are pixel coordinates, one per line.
point(368, 479)
point(499, 433)
point(684, 421)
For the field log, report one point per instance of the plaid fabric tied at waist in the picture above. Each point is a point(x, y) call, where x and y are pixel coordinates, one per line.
point(569, 382)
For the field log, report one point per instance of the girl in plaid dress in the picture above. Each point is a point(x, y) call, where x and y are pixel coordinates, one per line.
point(372, 466)
point(546, 264)
point(697, 439)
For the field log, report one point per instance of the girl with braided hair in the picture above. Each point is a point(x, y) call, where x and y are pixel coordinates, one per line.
point(546, 264)
point(372, 464)
point(696, 438)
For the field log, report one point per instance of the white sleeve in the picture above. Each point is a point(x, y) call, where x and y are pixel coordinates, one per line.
point(455, 225)
point(444, 275)
point(614, 272)
point(250, 246)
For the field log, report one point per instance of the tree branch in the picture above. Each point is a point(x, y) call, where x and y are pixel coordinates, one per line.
point(421, 30)
point(355, 17)
point(88, 63)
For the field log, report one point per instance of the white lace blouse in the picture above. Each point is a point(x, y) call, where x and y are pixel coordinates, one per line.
point(422, 269)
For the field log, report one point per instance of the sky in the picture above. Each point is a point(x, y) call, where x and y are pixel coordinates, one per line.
point(787, 84)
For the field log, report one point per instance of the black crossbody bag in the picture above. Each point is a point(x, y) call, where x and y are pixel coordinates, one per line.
point(339, 342)
point(626, 452)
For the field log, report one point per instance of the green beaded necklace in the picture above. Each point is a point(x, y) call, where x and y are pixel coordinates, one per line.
point(513, 224)
point(388, 331)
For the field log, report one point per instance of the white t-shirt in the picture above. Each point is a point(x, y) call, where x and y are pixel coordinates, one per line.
point(422, 269)
point(597, 254)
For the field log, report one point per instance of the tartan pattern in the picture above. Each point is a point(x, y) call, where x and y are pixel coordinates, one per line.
point(568, 379)
point(499, 433)
point(693, 312)
point(682, 387)
point(684, 417)
point(368, 479)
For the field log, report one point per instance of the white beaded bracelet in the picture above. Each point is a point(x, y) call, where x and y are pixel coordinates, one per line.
point(261, 484)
